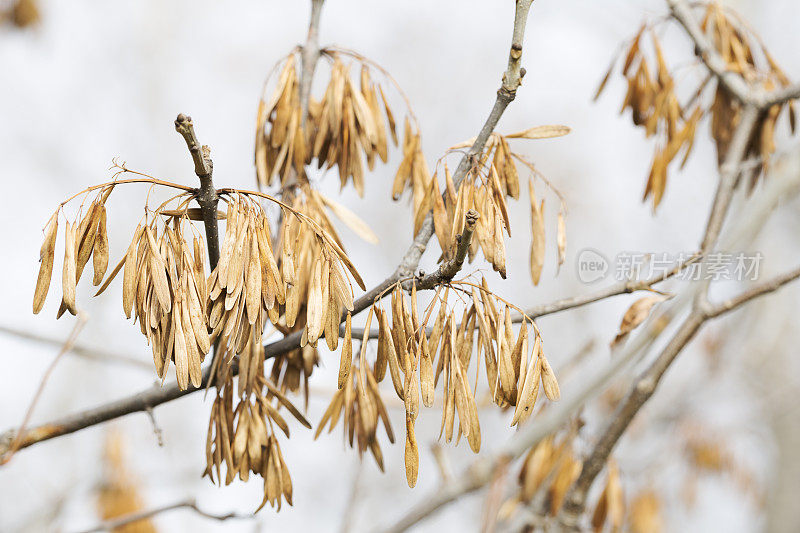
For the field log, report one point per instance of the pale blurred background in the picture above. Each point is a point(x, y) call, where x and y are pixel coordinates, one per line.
point(97, 79)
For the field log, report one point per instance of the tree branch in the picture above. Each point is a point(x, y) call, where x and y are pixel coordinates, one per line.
point(780, 96)
point(644, 387)
point(732, 81)
point(13, 442)
point(449, 269)
point(729, 172)
point(623, 287)
point(156, 395)
point(206, 195)
point(755, 291)
point(642, 390)
point(309, 57)
point(114, 523)
point(86, 352)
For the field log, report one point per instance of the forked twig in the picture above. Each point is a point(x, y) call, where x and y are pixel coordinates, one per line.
point(115, 523)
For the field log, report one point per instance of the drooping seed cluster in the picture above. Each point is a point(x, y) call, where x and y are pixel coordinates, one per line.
point(347, 126)
point(319, 296)
point(84, 239)
point(247, 286)
point(493, 178)
point(304, 288)
point(251, 285)
point(408, 350)
point(164, 286)
point(548, 470)
point(360, 406)
point(413, 172)
point(653, 96)
point(242, 435)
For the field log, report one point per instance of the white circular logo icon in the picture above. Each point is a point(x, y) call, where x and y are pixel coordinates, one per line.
point(592, 265)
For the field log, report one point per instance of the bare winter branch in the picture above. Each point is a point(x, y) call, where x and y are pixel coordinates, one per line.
point(115, 523)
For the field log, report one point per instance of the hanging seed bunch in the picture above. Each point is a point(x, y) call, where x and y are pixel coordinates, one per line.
point(250, 285)
point(358, 396)
point(360, 406)
point(414, 174)
point(292, 369)
point(350, 125)
point(164, 286)
point(548, 470)
point(83, 240)
point(478, 192)
point(493, 178)
point(652, 96)
point(281, 147)
point(246, 286)
point(242, 436)
point(163, 282)
point(417, 358)
point(744, 53)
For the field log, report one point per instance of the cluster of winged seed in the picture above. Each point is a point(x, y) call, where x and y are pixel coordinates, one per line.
point(551, 466)
point(348, 122)
point(246, 287)
point(251, 285)
point(652, 97)
point(242, 436)
point(359, 404)
point(164, 286)
point(84, 239)
point(416, 357)
point(549, 470)
point(487, 185)
point(293, 368)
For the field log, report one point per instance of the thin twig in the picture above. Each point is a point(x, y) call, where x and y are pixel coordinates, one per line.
point(156, 428)
point(114, 523)
point(729, 172)
point(755, 291)
point(309, 57)
point(16, 442)
point(92, 354)
point(207, 196)
point(352, 502)
point(780, 96)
